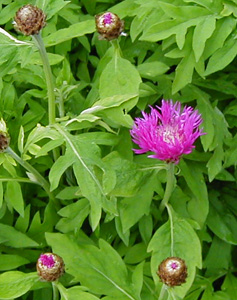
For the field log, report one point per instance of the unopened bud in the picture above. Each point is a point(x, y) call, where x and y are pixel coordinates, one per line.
point(109, 26)
point(50, 266)
point(29, 20)
point(172, 271)
point(4, 137)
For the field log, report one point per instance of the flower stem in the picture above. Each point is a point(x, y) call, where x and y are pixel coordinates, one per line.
point(55, 291)
point(48, 75)
point(162, 292)
point(169, 186)
point(38, 178)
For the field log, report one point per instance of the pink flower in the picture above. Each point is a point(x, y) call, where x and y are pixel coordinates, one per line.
point(47, 260)
point(167, 131)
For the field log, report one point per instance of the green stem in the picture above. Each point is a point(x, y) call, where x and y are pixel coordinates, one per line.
point(162, 292)
point(55, 291)
point(39, 179)
point(169, 186)
point(116, 46)
point(61, 106)
point(48, 75)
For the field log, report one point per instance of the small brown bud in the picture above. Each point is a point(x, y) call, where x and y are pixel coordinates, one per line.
point(29, 20)
point(109, 26)
point(50, 266)
point(4, 137)
point(172, 271)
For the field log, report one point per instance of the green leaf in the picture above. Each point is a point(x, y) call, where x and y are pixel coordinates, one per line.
point(221, 220)
point(222, 57)
point(224, 27)
point(119, 77)
point(11, 261)
point(176, 238)
point(213, 264)
point(13, 284)
point(201, 33)
point(53, 59)
point(129, 178)
point(142, 201)
point(59, 167)
point(83, 155)
point(184, 72)
point(14, 238)
point(73, 216)
point(194, 178)
point(152, 69)
point(230, 286)
point(74, 293)
point(51, 7)
point(215, 163)
point(14, 196)
point(65, 34)
point(101, 269)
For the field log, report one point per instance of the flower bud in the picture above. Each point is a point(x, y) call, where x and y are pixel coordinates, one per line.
point(4, 137)
point(29, 20)
point(172, 271)
point(109, 26)
point(50, 266)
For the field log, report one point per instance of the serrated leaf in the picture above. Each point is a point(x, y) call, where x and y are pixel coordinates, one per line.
point(222, 57)
point(100, 269)
point(201, 33)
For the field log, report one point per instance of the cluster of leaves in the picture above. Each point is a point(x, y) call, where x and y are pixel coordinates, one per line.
point(94, 203)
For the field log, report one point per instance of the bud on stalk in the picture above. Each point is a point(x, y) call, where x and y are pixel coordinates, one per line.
point(172, 271)
point(29, 20)
point(109, 26)
point(50, 266)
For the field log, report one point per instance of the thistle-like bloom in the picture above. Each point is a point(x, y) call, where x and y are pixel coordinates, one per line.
point(29, 20)
point(50, 266)
point(167, 131)
point(109, 26)
point(172, 271)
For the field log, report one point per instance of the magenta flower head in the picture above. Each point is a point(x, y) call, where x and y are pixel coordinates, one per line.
point(167, 131)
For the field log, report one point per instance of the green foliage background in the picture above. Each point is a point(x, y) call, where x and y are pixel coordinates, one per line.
point(98, 205)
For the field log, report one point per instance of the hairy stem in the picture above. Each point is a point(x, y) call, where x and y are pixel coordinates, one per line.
point(48, 75)
point(169, 186)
